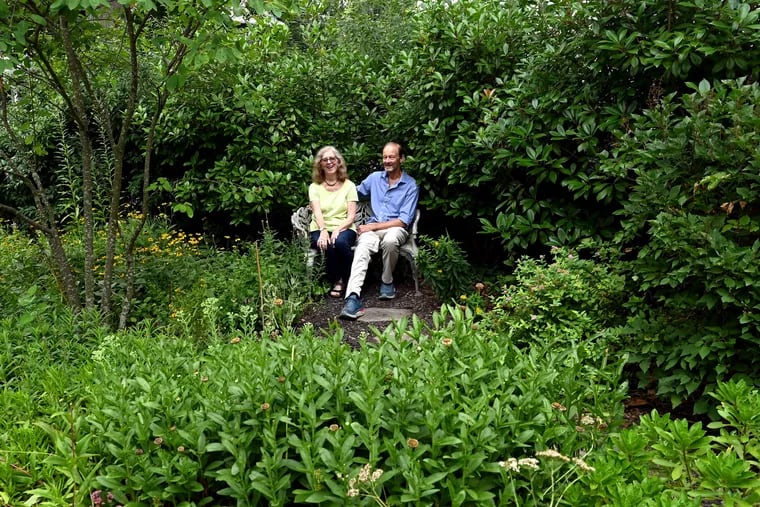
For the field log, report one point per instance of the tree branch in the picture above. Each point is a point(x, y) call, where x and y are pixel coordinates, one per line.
point(21, 216)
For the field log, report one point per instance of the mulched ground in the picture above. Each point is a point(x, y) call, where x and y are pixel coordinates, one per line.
point(323, 315)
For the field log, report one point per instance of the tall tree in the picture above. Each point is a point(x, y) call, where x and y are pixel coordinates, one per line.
point(98, 63)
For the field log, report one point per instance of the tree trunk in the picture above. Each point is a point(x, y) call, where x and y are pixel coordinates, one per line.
point(119, 148)
point(83, 125)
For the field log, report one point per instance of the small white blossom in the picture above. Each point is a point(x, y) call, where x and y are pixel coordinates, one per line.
point(531, 463)
point(365, 473)
point(583, 465)
point(510, 464)
point(552, 454)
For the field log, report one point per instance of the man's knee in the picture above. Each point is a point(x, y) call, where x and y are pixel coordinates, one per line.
point(394, 239)
point(368, 241)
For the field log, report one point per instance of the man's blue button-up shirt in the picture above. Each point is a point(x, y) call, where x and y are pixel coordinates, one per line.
point(398, 201)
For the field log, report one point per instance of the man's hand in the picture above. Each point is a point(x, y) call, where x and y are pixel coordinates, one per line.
point(366, 228)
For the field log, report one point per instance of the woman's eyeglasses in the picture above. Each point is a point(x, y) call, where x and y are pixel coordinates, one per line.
point(329, 159)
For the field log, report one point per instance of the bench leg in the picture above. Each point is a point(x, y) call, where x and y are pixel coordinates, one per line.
point(415, 273)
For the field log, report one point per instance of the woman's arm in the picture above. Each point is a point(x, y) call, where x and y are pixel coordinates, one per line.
point(346, 224)
point(316, 209)
point(350, 216)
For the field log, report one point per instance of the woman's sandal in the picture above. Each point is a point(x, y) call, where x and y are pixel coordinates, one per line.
point(337, 290)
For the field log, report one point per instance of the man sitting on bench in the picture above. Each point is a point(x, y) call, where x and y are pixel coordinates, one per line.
point(393, 195)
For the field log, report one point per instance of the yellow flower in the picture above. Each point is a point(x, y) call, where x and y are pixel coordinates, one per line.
point(463, 297)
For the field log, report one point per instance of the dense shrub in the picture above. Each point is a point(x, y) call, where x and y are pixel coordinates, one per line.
point(22, 269)
point(295, 418)
point(262, 286)
point(444, 267)
point(580, 297)
point(475, 408)
point(667, 461)
point(300, 86)
point(690, 224)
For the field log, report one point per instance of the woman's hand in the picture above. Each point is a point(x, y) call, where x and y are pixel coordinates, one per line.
point(324, 238)
point(334, 236)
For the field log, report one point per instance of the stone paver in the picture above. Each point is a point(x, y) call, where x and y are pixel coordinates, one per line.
point(385, 314)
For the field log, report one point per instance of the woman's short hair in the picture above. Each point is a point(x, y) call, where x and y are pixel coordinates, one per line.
point(318, 172)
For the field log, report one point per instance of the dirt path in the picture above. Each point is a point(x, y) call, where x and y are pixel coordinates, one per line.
point(323, 315)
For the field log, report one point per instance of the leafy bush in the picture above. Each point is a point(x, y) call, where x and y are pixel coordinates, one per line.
point(253, 156)
point(443, 265)
point(296, 418)
point(263, 286)
point(575, 297)
point(22, 270)
point(178, 272)
point(666, 461)
point(692, 233)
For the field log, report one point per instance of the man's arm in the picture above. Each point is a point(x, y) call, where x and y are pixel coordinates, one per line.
point(363, 189)
point(379, 226)
point(409, 205)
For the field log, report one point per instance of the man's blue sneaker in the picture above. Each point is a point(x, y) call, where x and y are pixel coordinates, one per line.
point(387, 291)
point(353, 309)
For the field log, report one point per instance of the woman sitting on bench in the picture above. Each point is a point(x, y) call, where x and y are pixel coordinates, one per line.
point(332, 231)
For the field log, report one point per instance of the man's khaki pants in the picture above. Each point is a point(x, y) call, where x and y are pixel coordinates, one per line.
point(369, 243)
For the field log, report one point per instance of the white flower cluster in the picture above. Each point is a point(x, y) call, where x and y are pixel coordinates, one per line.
point(515, 465)
point(366, 475)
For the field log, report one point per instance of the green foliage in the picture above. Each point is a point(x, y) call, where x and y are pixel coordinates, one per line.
point(261, 287)
point(665, 461)
point(443, 265)
point(295, 418)
point(576, 297)
point(22, 271)
point(463, 411)
point(44, 350)
point(299, 88)
point(515, 131)
point(183, 282)
point(692, 231)
point(740, 421)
